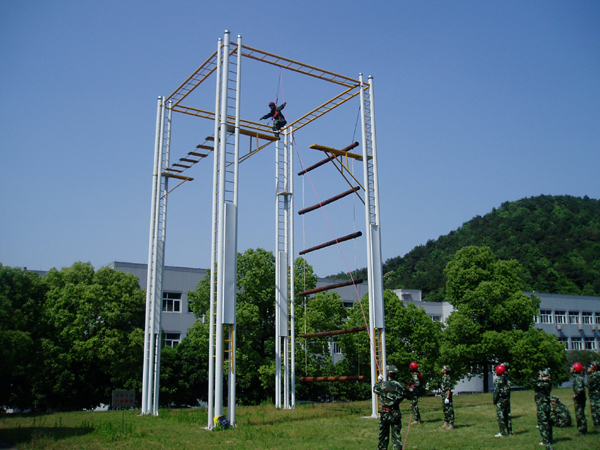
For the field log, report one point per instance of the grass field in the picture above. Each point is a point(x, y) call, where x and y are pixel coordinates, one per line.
point(310, 426)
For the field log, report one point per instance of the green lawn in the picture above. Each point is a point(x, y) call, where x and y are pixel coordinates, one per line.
point(323, 426)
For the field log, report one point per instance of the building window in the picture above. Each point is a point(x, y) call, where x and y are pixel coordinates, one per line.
point(586, 318)
point(436, 318)
point(336, 349)
point(190, 310)
point(172, 339)
point(348, 305)
point(560, 317)
point(545, 316)
point(573, 316)
point(564, 341)
point(171, 302)
point(598, 318)
point(590, 343)
point(576, 343)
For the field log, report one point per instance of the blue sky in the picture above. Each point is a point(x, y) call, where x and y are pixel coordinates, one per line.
point(477, 103)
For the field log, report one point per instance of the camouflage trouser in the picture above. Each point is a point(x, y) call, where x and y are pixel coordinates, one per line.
point(543, 417)
point(503, 416)
point(416, 414)
point(595, 405)
point(278, 124)
point(580, 413)
point(390, 419)
point(448, 412)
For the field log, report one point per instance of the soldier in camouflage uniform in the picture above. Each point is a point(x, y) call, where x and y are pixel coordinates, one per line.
point(543, 387)
point(594, 391)
point(390, 393)
point(502, 401)
point(415, 384)
point(559, 414)
point(579, 397)
point(447, 385)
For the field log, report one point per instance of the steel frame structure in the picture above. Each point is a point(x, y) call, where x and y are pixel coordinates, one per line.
point(226, 64)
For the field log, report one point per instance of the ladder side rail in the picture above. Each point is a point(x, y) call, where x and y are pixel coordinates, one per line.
point(221, 241)
point(374, 161)
point(369, 259)
point(277, 278)
point(153, 205)
point(290, 141)
point(155, 274)
point(286, 237)
point(232, 365)
point(162, 237)
point(212, 324)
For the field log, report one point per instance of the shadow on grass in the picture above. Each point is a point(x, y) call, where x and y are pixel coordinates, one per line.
point(16, 436)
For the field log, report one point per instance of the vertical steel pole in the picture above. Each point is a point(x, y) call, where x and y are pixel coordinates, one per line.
point(212, 322)
point(383, 361)
point(286, 212)
point(148, 332)
point(277, 294)
point(291, 253)
point(155, 261)
point(238, 93)
point(369, 249)
point(221, 251)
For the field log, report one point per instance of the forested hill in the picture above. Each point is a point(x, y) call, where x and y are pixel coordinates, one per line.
point(555, 238)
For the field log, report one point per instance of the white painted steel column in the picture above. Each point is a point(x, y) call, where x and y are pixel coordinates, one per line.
point(221, 244)
point(369, 252)
point(238, 93)
point(166, 151)
point(277, 278)
point(148, 332)
point(156, 260)
point(377, 215)
point(211, 339)
point(286, 212)
point(292, 374)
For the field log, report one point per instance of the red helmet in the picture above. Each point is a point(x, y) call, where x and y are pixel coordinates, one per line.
point(578, 367)
point(272, 105)
point(414, 366)
point(500, 369)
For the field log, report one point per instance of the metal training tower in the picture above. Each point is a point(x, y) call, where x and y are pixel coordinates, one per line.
point(226, 64)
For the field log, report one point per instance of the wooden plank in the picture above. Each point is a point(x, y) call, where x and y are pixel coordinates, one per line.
point(204, 147)
point(334, 332)
point(179, 177)
point(341, 378)
point(328, 201)
point(193, 161)
point(336, 152)
point(330, 286)
point(199, 155)
point(332, 242)
point(182, 165)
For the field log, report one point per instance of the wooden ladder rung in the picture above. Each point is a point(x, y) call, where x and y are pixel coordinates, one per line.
point(330, 243)
point(330, 286)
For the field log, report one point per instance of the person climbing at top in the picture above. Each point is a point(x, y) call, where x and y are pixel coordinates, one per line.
point(278, 119)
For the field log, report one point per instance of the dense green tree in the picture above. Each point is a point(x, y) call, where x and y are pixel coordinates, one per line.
point(411, 336)
point(96, 339)
point(255, 315)
point(491, 312)
point(22, 326)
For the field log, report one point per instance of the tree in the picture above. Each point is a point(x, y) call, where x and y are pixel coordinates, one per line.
point(255, 315)
point(95, 341)
point(491, 312)
point(411, 336)
point(22, 326)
